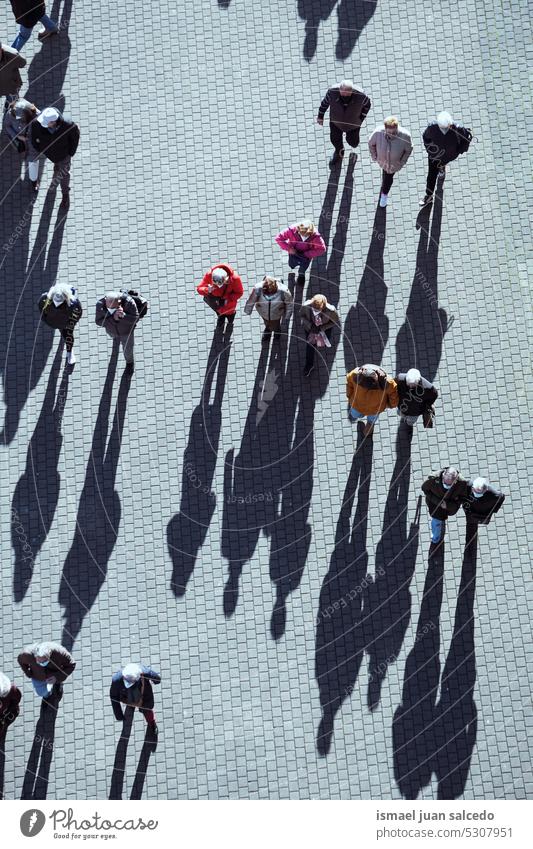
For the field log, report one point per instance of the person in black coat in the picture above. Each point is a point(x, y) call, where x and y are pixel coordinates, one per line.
point(416, 395)
point(348, 107)
point(132, 686)
point(10, 80)
point(61, 309)
point(445, 491)
point(10, 696)
point(482, 501)
point(57, 138)
point(444, 141)
point(28, 13)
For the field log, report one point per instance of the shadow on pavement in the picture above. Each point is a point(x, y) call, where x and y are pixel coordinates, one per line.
point(35, 785)
point(352, 17)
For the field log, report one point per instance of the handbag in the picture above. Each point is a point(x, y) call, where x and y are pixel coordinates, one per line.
point(428, 416)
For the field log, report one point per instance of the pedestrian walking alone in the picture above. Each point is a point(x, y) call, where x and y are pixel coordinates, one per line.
point(416, 397)
point(390, 146)
point(348, 107)
point(445, 491)
point(273, 301)
point(27, 14)
point(117, 313)
point(57, 137)
point(10, 80)
point(18, 118)
point(303, 243)
point(482, 501)
point(370, 390)
point(48, 665)
point(221, 288)
point(61, 309)
point(444, 141)
point(132, 686)
point(10, 697)
point(318, 320)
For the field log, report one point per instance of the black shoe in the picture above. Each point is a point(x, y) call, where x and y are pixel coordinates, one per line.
point(426, 200)
point(266, 336)
point(65, 201)
point(153, 730)
point(337, 157)
point(308, 370)
point(301, 280)
point(130, 368)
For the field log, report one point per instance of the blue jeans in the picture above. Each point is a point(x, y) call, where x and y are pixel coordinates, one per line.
point(42, 688)
point(299, 260)
point(437, 530)
point(355, 415)
point(25, 32)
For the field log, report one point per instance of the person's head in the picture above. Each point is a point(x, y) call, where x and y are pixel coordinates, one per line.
point(270, 284)
point(305, 227)
point(131, 673)
point(23, 109)
point(49, 117)
point(444, 120)
point(112, 300)
point(479, 487)
point(412, 377)
point(42, 654)
point(60, 293)
point(391, 125)
point(219, 276)
point(449, 476)
point(346, 88)
point(5, 685)
point(318, 302)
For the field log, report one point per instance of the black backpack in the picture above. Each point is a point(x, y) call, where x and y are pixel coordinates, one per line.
point(140, 302)
point(464, 136)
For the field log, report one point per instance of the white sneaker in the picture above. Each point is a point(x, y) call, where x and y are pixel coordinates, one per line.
point(71, 358)
point(383, 199)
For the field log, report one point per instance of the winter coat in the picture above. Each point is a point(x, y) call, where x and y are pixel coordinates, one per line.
point(273, 308)
point(309, 248)
point(441, 502)
point(28, 12)
point(443, 147)
point(346, 117)
point(121, 327)
point(61, 317)
point(61, 663)
point(230, 291)
point(413, 400)
point(140, 695)
point(329, 314)
point(9, 707)
point(10, 79)
point(19, 128)
point(482, 509)
point(390, 152)
point(57, 145)
point(367, 398)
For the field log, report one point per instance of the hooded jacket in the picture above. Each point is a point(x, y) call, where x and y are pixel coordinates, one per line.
point(139, 695)
point(117, 328)
point(10, 62)
point(413, 400)
point(347, 116)
point(230, 292)
point(390, 152)
point(57, 145)
point(271, 308)
point(290, 239)
point(443, 147)
point(28, 12)
point(20, 127)
point(61, 663)
point(368, 398)
point(483, 509)
point(61, 317)
point(442, 502)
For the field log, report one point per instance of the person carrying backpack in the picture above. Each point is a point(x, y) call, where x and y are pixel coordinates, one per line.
point(444, 141)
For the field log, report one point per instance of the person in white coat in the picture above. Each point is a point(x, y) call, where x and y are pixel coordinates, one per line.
point(390, 146)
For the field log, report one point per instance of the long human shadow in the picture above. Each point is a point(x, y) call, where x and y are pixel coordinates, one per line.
point(187, 530)
point(420, 338)
point(2, 763)
point(340, 642)
point(352, 15)
point(366, 329)
point(37, 492)
point(46, 73)
point(99, 513)
point(389, 593)
point(119, 765)
point(35, 784)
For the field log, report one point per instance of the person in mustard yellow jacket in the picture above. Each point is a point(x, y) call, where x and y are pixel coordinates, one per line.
point(370, 391)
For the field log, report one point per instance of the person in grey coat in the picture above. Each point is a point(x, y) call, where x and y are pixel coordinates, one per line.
point(318, 320)
point(273, 302)
point(117, 313)
point(390, 146)
point(10, 79)
point(348, 107)
point(17, 120)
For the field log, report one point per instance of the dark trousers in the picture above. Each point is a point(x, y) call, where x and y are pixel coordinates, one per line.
point(62, 174)
point(300, 261)
point(68, 335)
point(336, 134)
point(311, 349)
point(386, 182)
point(148, 714)
point(272, 325)
point(433, 173)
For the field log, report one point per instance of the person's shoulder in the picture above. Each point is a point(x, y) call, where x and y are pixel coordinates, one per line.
point(116, 676)
point(404, 134)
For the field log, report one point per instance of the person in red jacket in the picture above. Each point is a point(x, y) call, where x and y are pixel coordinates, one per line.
point(221, 288)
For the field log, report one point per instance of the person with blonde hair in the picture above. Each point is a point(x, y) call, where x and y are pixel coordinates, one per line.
point(390, 146)
point(273, 301)
point(318, 320)
point(60, 308)
point(303, 243)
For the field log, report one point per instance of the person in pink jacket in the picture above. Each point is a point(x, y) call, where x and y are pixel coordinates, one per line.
point(303, 243)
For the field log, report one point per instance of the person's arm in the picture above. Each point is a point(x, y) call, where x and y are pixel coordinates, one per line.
point(365, 108)
point(73, 139)
point(407, 150)
point(131, 313)
point(252, 300)
point(24, 663)
point(76, 312)
point(150, 673)
point(42, 301)
point(115, 701)
point(35, 140)
point(429, 144)
point(306, 322)
point(20, 61)
point(283, 240)
point(392, 393)
point(349, 386)
point(372, 146)
point(235, 291)
point(289, 303)
point(324, 106)
point(317, 246)
point(203, 286)
point(101, 313)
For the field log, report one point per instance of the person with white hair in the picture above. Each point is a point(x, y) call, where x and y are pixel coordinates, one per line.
point(416, 397)
point(482, 501)
point(444, 140)
point(117, 313)
point(61, 309)
point(131, 686)
point(221, 287)
point(57, 137)
point(17, 120)
point(370, 391)
point(273, 301)
point(48, 665)
point(348, 107)
point(303, 243)
point(10, 697)
point(445, 491)
point(390, 146)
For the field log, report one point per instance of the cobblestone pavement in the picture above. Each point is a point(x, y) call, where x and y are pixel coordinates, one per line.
point(212, 518)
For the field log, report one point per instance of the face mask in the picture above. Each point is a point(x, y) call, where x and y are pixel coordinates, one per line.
point(58, 299)
point(443, 130)
point(477, 494)
point(113, 310)
point(43, 662)
point(447, 485)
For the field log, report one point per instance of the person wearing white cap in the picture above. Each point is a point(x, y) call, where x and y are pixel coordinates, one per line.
point(10, 697)
point(416, 396)
point(27, 14)
point(61, 309)
point(370, 391)
point(48, 665)
point(444, 141)
point(348, 107)
point(57, 137)
point(445, 491)
point(132, 686)
point(482, 501)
